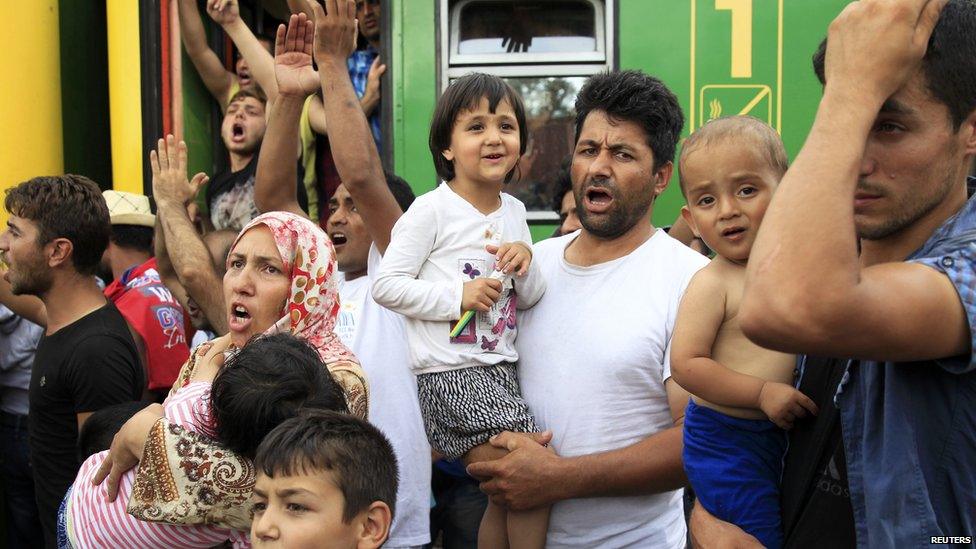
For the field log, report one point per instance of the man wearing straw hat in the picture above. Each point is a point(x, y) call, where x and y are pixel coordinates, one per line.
point(154, 316)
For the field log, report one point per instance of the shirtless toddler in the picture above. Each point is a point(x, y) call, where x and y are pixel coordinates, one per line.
point(743, 395)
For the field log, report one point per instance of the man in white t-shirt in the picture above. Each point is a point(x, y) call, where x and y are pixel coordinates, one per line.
point(594, 350)
point(363, 211)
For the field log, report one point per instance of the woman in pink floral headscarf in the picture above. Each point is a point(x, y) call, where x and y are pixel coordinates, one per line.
point(294, 292)
point(280, 278)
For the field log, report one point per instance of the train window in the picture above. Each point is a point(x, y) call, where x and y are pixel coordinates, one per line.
point(491, 31)
point(546, 49)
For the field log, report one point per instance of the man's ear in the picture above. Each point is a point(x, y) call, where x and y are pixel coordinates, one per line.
point(968, 134)
point(58, 252)
point(376, 522)
point(686, 215)
point(448, 155)
point(662, 177)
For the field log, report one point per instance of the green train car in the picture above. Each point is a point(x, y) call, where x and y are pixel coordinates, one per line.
point(720, 57)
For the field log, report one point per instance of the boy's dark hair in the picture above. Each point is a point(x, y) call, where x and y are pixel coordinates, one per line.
point(100, 428)
point(133, 237)
point(268, 381)
point(735, 128)
point(401, 190)
point(949, 64)
point(65, 206)
point(250, 91)
point(636, 97)
point(357, 454)
point(464, 94)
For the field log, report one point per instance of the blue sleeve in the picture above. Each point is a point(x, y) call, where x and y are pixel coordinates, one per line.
point(959, 264)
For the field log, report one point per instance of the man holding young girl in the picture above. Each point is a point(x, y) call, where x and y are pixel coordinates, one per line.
point(593, 351)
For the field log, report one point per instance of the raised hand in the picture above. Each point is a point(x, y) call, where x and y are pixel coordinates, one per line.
point(335, 30)
point(223, 12)
point(374, 77)
point(169, 182)
point(293, 57)
point(875, 46)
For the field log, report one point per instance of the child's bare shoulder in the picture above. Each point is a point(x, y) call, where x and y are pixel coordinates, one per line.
point(712, 278)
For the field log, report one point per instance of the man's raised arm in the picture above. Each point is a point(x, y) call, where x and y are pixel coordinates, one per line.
point(807, 290)
point(274, 184)
point(226, 13)
point(193, 264)
point(355, 155)
point(216, 78)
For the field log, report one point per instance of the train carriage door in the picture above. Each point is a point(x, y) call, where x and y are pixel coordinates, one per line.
point(545, 49)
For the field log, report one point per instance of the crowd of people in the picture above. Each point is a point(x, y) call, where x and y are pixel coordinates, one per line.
point(318, 358)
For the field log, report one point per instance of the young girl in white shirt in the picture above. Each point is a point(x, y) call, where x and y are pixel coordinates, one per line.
point(465, 247)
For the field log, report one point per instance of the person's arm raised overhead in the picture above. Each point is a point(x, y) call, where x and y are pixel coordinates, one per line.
point(316, 116)
point(167, 273)
point(226, 13)
point(274, 186)
point(193, 264)
point(356, 157)
point(806, 291)
point(216, 78)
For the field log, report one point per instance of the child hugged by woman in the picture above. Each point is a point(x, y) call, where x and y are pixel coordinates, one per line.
point(465, 247)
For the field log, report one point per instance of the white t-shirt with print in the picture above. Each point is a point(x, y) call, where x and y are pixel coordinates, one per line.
point(438, 245)
point(378, 339)
point(594, 358)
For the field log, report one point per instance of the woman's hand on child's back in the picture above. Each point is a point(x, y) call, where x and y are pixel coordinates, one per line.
point(512, 256)
point(783, 404)
point(480, 294)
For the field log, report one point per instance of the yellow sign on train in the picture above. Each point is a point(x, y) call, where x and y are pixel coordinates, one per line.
point(736, 60)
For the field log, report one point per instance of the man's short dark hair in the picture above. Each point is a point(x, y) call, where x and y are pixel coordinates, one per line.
point(401, 190)
point(250, 91)
point(65, 206)
point(133, 237)
point(100, 428)
point(949, 64)
point(268, 381)
point(463, 94)
point(636, 97)
point(357, 454)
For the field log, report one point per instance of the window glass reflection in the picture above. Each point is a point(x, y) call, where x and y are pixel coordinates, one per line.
point(551, 119)
point(525, 26)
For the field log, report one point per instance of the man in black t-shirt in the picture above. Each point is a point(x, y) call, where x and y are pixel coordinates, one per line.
point(87, 360)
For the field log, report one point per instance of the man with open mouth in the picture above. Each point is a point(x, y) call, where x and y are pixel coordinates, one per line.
point(594, 350)
point(230, 194)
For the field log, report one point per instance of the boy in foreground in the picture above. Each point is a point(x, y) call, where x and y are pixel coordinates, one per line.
point(325, 480)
